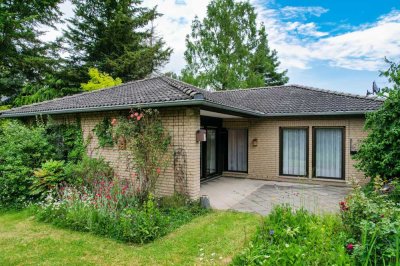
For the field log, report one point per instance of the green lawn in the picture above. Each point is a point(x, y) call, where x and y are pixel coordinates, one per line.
point(210, 239)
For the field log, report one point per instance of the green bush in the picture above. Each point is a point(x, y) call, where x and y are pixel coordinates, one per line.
point(379, 153)
point(89, 170)
point(372, 222)
point(66, 140)
point(25, 149)
point(22, 149)
point(296, 238)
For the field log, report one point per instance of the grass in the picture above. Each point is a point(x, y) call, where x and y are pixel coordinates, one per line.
point(25, 241)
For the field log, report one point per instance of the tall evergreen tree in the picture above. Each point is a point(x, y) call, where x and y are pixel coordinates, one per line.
point(23, 56)
point(227, 50)
point(116, 37)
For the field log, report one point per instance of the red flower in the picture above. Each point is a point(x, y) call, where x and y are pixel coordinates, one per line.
point(158, 170)
point(343, 206)
point(350, 247)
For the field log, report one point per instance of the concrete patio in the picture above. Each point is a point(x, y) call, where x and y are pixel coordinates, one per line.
point(261, 196)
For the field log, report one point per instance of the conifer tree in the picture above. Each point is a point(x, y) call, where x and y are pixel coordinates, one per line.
point(116, 37)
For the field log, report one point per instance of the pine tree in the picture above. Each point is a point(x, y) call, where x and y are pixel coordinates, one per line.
point(226, 50)
point(116, 37)
point(23, 56)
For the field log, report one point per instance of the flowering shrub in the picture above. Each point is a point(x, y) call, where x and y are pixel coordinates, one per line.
point(372, 221)
point(296, 238)
point(111, 208)
point(148, 143)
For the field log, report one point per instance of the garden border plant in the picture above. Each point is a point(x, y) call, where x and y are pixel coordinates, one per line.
point(123, 209)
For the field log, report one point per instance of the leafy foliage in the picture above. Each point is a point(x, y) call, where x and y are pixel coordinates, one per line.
point(296, 238)
point(22, 149)
point(48, 177)
point(88, 171)
point(227, 50)
point(148, 143)
point(23, 56)
point(115, 37)
point(99, 80)
point(104, 134)
point(66, 140)
point(372, 222)
point(51, 87)
point(379, 153)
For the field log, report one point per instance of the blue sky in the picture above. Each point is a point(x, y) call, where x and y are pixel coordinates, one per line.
point(331, 44)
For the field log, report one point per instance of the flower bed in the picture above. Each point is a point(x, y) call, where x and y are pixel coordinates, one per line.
point(372, 222)
point(296, 238)
point(110, 208)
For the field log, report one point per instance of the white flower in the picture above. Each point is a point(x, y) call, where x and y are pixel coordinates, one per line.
point(287, 245)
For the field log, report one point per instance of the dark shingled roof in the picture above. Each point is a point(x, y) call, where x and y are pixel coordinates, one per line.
point(297, 99)
point(163, 91)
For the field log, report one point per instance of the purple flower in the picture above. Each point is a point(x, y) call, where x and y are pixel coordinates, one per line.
point(271, 232)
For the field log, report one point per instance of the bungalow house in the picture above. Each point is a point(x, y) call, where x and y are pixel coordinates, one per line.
point(282, 133)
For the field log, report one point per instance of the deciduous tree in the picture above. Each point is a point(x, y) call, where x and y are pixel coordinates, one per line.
point(228, 50)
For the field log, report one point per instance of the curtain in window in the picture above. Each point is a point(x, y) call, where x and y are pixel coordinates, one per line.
point(329, 152)
point(237, 150)
point(211, 152)
point(294, 151)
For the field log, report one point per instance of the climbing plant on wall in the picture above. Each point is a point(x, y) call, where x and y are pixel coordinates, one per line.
point(148, 142)
point(103, 131)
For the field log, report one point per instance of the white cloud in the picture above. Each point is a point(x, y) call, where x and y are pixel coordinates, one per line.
point(291, 12)
point(175, 24)
point(362, 48)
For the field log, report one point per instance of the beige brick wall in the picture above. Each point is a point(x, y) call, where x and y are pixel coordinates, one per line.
point(264, 158)
point(181, 123)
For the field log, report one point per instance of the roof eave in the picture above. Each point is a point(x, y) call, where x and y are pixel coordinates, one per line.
point(319, 113)
point(192, 102)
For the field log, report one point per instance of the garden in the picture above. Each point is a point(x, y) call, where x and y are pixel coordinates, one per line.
point(59, 205)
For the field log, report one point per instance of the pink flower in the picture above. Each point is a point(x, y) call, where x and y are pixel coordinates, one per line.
point(136, 114)
point(132, 116)
point(114, 121)
point(139, 117)
point(158, 170)
point(350, 247)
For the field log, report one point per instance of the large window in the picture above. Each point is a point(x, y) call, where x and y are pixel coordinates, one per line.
point(293, 151)
point(237, 150)
point(328, 149)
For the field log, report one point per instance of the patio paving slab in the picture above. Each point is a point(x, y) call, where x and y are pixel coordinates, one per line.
point(261, 196)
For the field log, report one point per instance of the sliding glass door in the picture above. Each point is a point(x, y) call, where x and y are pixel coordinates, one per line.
point(328, 152)
point(237, 150)
point(293, 154)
